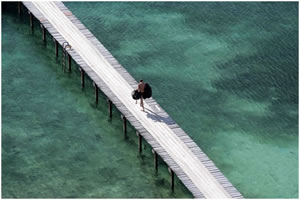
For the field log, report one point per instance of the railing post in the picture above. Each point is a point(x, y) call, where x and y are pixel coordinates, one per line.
point(124, 126)
point(109, 108)
point(82, 78)
point(69, 63)
point(172, 178)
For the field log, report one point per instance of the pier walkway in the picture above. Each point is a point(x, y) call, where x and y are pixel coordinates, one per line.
point(197, 172)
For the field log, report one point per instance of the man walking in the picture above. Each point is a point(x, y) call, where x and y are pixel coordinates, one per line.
point(141, 90)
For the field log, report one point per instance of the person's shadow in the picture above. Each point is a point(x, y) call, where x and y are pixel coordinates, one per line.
point(157, 118)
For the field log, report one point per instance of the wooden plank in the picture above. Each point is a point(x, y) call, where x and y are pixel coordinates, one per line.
point(124, 104)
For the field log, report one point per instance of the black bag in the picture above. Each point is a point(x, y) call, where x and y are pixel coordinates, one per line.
point(147, 91)
point(135, 94)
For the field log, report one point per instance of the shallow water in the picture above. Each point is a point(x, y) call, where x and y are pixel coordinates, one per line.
point(56, 143)
point(225, 72)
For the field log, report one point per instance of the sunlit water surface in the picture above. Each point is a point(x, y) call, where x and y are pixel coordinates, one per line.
point(227, 73)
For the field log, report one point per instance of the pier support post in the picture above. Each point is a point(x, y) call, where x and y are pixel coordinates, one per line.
point(109, 108)
point(140, 141)
point(56, 48)
point(44, 33)
point(31, 21)
point(69, 63)
point(82, 78)
point(124, 126)
point(171, 178)
point(19, 8)
point(155, 160)
point(96, 93)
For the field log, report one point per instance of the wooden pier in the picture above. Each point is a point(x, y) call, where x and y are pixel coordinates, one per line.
point(183, 156)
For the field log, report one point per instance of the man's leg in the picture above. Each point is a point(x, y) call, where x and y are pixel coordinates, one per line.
point(142, 103)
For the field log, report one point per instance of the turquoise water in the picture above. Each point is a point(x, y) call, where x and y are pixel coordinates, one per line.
point(227, 73)
point(56, 143)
